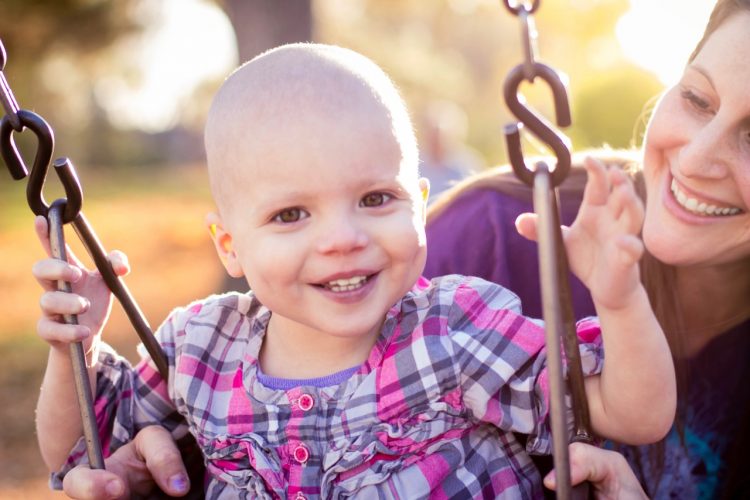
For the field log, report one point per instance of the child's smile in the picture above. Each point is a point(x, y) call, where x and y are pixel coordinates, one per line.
point(346, 284)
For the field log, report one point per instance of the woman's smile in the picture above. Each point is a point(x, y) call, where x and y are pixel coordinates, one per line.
point(698, 205)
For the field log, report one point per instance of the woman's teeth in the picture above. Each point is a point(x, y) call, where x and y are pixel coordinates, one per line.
point(698, 207)
point(347, 284)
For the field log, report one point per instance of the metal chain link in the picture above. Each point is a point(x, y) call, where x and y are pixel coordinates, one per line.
point(63, 211)
point(10, 105)
point(554, 271)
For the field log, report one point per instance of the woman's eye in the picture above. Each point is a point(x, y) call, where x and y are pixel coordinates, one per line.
point(696, 101)
point(375, 199)
point(289, 215)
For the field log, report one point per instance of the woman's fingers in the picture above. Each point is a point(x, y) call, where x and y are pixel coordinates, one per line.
point(133, 468)
point(157, 448)
point(607, 471)
point(83, 483)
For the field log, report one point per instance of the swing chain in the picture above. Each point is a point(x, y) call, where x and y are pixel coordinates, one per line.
point(555, 287)
point(529, 70)
point(10, 105)
point(529, 34)
point(17, 120)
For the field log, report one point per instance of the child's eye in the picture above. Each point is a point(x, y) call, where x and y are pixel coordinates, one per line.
point(289, 215)
point(695, 100)
point(374, 199)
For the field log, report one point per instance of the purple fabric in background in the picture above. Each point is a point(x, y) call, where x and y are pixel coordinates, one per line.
point(476, 236)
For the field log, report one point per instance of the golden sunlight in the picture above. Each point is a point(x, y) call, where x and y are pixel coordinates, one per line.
point(184, 43)
point(659, 36)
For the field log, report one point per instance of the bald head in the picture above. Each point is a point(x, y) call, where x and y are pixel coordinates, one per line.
point(291, 90)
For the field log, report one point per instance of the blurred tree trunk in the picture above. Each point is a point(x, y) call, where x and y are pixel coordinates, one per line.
point(262, 24)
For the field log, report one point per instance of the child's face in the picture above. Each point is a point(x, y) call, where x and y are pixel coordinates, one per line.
point(325, 223)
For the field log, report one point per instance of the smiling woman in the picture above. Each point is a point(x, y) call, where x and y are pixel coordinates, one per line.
point(693, 175)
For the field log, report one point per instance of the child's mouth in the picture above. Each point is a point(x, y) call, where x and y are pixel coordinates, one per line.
point(346, 284)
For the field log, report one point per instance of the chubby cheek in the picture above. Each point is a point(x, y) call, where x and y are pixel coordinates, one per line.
point(268, 266)
point(407, 245)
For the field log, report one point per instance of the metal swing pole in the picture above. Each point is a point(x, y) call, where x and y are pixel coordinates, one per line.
point(64, 211)
point(556, 296)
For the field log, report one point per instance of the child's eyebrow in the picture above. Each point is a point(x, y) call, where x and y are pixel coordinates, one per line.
point(268, 201)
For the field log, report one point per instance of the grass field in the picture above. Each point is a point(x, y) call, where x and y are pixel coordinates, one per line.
point(156, 217)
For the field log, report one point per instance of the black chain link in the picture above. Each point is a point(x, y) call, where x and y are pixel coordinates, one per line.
point(10, 105)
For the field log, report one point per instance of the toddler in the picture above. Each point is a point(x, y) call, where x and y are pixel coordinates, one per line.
point(342, 372)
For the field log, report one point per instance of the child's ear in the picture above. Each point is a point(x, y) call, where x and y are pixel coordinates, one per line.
point(424, 188)
point(223, 244)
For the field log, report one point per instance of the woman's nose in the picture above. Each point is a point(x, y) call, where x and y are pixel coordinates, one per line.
point(342, 235)
point(708, 152)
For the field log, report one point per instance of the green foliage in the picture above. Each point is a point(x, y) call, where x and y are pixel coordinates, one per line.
point(462, 50)
point(31, 28)
point(455, 50)
point(609, 108)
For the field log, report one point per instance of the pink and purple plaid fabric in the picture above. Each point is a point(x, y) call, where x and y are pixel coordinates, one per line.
point(432, 413)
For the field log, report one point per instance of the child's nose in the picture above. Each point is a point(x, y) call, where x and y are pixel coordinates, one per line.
point(341, 236)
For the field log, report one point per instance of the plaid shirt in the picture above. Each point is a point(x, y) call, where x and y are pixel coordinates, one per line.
point(432, 413)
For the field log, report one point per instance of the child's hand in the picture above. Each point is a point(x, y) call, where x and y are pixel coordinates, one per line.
point(603, 244)
point(91, 299)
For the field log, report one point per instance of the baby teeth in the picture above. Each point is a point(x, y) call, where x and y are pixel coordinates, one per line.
point(698, 207)
point(346, 284)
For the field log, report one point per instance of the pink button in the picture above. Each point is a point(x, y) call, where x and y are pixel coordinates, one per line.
point(306, 402)
point(301, 454)
point(300, 496)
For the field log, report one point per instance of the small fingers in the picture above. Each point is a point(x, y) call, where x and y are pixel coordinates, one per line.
point(119, 262)
point(626, 206)
point(42, 232)
point(631, 249)
point(41, 227)
point(53, 331)
point(597, 184)
point(49, 271)
point(526, 225)
point(54, 303)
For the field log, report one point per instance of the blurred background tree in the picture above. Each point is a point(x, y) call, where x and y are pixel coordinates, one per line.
point(71, 59)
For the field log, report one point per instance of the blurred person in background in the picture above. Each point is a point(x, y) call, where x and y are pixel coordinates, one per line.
point(444, 156)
